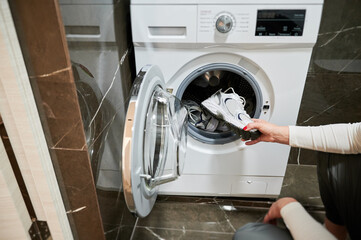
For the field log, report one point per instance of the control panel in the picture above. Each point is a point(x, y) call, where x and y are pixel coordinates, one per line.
point(280, 22)
point(233, 24)
point(258, 23)
point(225, 22)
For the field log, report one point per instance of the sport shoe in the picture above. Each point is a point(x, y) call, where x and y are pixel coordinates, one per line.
point(230, 108)
point(199, 118)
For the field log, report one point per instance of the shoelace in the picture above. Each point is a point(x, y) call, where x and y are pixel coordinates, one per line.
point(194, 117)
point(196, 114)
point(242, 99)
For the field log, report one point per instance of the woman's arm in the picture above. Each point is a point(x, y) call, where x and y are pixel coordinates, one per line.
point(336, 138)
point(301, 225)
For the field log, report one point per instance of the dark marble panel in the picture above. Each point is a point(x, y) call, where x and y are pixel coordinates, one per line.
point(47, 61)
point(37, 24)
point(103, 73)
point(301, 183)
point(332, 90)
point(59, 103)
point(327, 99)
point(330, 98)
point(338, 49)
point(303, 156)
point(82, 206)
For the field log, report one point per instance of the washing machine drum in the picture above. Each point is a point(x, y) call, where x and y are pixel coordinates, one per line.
point(204, 82)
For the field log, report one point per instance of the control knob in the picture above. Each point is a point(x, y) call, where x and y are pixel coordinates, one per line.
point(224, 23)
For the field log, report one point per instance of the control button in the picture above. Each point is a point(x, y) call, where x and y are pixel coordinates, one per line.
point(224, 23)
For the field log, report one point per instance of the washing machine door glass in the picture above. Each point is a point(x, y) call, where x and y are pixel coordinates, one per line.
point(154, 140)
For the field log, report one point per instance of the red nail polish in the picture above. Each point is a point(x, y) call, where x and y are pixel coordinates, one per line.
point(245, 128)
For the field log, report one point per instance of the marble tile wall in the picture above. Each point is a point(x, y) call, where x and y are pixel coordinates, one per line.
point(49, 69)
point(81, 87)
point(333, 87)
point(103, 72)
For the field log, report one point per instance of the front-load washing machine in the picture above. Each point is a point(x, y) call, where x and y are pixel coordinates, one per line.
point(260, 48)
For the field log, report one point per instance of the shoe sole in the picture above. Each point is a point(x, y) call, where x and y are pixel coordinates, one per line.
point(216, 112)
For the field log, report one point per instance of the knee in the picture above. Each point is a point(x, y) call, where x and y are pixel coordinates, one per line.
point(261, 231)
point(250, 231)
point(246, 231)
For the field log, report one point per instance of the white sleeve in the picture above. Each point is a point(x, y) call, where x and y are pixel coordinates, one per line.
point(301, 225)
point(335, 138)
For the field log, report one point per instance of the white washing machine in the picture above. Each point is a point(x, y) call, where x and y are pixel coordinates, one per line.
point(260, 48)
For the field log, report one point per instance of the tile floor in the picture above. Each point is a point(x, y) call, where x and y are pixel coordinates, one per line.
point(176, 217)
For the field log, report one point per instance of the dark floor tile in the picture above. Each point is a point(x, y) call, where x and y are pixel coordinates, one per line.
point(240, 216)
point(187, 216)
point(119, 233)
point(148, 233)
point(115, 214)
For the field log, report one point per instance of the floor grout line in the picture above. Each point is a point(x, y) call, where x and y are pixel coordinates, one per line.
point(182, 230)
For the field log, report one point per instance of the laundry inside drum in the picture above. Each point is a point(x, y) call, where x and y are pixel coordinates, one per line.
point(202, 124)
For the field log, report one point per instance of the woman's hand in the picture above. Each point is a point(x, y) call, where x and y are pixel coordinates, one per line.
point(275, 210)
point(270, 132)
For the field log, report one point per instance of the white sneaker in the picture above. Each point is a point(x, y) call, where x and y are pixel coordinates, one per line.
point(199, 118)
point(230, 108)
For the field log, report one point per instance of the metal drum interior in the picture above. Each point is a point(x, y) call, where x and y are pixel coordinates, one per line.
point(207, 80)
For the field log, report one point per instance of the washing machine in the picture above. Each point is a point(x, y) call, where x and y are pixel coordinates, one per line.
point(186, 51)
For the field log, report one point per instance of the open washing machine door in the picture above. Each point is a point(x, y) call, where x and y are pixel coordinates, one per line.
point(154, 141)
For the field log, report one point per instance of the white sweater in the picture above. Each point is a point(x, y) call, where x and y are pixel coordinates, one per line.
point(335, 138)
point(302, 225)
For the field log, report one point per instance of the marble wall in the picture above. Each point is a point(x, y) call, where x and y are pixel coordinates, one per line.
point(332, 92)
point(47, 62)
point(99, 44)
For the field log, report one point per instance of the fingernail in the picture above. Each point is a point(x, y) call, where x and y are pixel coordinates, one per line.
point(245, 128)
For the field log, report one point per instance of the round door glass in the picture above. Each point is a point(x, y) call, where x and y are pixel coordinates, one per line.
point(165, 138)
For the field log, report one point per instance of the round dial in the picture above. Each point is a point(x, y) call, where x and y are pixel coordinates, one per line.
point(224, 23)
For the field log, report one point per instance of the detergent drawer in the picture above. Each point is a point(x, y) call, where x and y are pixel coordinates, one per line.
point(89, 23)
point(164, 24)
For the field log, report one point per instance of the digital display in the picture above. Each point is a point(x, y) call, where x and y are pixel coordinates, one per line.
point(280, 22)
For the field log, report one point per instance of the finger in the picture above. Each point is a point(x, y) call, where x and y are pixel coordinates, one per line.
point(250, 126)
point(252, 142)
point(257, 120)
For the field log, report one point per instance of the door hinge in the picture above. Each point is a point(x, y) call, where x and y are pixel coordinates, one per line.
point(39, 230)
